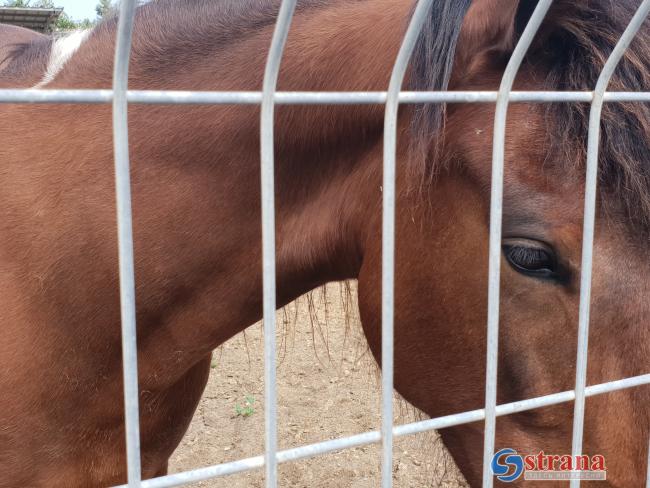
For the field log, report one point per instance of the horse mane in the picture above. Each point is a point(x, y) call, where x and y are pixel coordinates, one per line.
point(585, 36)
point(430, 70)
point(569, 53)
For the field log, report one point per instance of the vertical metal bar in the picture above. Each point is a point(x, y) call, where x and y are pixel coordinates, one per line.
point(647, 483)
point(496, 212)
point(268, 235)
point(388, 236)
point(125, 239)
point(589, 223)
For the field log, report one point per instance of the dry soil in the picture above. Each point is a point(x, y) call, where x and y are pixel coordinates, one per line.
point(328, 387)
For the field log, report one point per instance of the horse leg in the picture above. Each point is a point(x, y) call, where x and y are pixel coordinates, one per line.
point(162, 471)
point(179, 402)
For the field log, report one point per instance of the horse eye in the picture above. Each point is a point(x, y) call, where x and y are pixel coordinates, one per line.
point(531, 260)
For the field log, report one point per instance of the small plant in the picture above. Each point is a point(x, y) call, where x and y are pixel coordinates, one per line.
point(246, 410)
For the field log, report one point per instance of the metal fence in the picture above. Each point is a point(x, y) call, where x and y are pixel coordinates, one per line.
point(268, 98)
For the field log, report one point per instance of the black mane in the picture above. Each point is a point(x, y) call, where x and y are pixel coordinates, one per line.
point(575, 53)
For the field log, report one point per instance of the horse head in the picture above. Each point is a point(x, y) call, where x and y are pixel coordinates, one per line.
point(443, 229)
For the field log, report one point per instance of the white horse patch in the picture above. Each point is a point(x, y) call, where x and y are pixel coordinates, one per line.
point(62, 50)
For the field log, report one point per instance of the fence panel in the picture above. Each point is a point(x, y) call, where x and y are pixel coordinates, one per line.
point(121, 97)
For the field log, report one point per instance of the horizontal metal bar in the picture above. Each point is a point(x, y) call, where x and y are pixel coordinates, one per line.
point(173, 97)
point(373, 437)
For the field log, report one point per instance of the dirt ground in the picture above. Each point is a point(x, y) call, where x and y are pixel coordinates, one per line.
point(328, 387)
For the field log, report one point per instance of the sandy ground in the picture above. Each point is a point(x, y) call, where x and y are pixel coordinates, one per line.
point(328, 387)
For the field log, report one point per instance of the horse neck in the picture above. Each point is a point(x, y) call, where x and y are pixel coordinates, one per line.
point(326, 156)
point(195, 172)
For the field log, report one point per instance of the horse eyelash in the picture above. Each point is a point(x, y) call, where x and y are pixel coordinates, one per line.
point(527, 254)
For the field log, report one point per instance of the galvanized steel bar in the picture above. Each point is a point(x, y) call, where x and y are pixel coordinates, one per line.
point(125, 239)
point(372, 437)
point(496, 211)
point(647, 483)
point(388, 236)
point(175, 97)
point(589, 223)
point(267, 155)
point(519, 406)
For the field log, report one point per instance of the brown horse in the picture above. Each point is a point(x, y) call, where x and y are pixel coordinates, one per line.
point(197, 230)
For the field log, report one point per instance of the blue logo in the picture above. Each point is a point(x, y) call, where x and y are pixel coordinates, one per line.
point(507, 465)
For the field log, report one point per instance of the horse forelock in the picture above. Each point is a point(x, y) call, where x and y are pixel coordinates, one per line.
point(569, 53)
point(585, 36)
point(431, 69)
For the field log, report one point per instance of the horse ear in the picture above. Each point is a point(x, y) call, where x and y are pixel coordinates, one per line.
point(456, 41)
point(490, 28)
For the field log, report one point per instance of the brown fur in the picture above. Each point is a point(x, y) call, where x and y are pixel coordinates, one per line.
point(23, 56)
point(195, 179)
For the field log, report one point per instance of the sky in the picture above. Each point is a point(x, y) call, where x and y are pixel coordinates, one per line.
point(78, 9)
